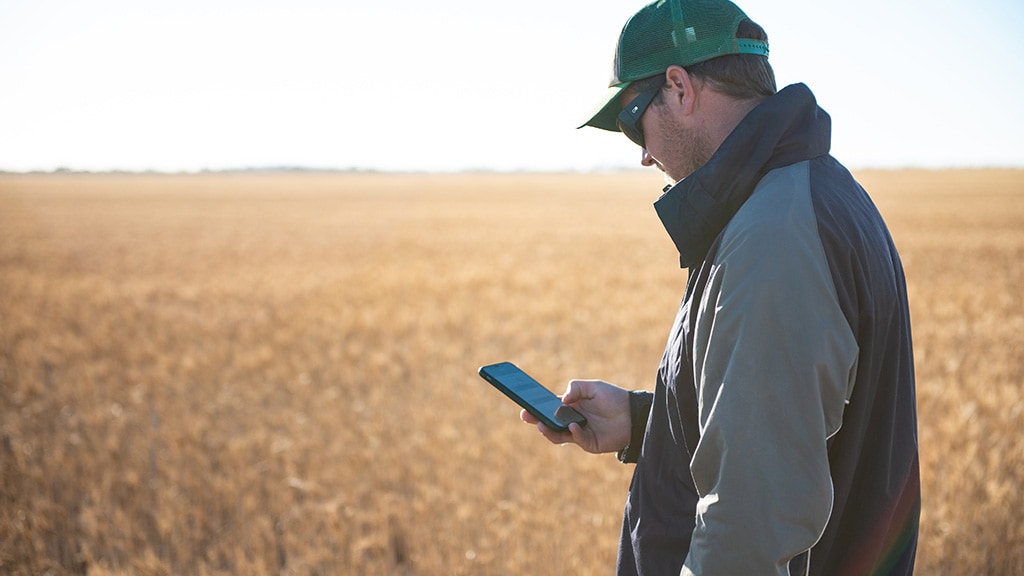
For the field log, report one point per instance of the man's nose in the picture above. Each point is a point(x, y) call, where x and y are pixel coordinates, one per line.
point(645, 158)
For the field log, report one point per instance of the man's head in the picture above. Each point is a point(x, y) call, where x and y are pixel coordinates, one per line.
point(683, 49)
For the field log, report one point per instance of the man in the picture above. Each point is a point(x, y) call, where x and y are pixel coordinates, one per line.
point(781, 436)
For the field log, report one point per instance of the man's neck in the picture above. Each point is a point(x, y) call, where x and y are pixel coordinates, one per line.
point(725, 114)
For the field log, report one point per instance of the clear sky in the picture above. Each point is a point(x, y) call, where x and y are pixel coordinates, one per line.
point(458, 84)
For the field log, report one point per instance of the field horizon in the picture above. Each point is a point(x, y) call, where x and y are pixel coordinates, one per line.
point(275, 373)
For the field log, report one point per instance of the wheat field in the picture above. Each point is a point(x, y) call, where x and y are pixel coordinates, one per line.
point(276, 373)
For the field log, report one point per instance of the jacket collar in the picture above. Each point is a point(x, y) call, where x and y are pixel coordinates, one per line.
point(787, 128)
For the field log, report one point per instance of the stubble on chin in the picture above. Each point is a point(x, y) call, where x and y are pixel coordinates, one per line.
point(689, 150)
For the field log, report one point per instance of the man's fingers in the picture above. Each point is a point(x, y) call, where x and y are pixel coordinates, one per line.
point(554, 436)
point(577, 433)
point(527, 417)
point(583, 438)
point(575, 391)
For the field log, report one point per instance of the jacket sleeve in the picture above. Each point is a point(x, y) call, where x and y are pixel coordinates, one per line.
point(774, 364)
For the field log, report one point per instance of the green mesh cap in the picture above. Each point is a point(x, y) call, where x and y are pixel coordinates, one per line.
point(671, 33)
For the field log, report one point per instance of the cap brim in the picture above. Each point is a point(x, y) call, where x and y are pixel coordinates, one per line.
point(607, 112)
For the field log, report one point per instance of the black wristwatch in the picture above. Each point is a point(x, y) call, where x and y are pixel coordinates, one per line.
point(639, 409)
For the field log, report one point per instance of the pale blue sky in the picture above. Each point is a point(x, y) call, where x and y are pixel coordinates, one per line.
point(453, 84)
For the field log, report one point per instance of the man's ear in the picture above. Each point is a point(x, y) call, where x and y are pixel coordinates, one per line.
point(680, 87)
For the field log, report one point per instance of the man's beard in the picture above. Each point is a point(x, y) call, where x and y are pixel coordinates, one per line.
point(690, 150)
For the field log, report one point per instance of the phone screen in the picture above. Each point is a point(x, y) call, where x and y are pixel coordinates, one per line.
point(531, 395)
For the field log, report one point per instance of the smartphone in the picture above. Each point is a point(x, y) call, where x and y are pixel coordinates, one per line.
point(531, 395)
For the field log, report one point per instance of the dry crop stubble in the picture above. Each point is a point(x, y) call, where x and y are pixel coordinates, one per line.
point(222, 374)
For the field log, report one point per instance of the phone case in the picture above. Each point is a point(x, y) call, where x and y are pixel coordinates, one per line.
point(531, 395)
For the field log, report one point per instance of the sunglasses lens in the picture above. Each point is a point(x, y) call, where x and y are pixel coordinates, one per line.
point(632, 132)
point(629, 118)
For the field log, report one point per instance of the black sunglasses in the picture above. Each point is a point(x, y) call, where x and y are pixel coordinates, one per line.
point(629, 118)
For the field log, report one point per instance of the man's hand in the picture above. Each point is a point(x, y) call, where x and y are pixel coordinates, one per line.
point(606, 408)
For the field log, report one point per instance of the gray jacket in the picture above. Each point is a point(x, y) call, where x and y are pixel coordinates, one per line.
point(782, 432)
